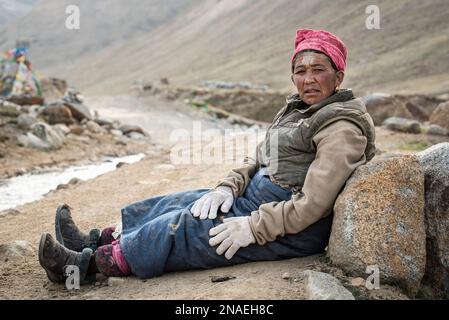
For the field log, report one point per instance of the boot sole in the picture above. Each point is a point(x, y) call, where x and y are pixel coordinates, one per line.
point(51, 276)
point(58, 232)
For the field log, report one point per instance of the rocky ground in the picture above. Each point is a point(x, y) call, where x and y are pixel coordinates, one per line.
point(97, 203)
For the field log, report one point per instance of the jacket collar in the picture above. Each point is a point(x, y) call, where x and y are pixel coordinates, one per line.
point(294, 101)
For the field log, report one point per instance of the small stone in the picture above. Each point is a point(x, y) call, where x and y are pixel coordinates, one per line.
point(120, 164)
point(74, 181)
point(221, 278)
point(116, 133)
point(94, 127)
point(358, 282)
point(164, 166)
point(135, 136)
point(286, 276)
point(323, 286)
point(115, 281)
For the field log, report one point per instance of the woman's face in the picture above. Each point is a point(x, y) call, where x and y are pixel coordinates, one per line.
point(314, 77)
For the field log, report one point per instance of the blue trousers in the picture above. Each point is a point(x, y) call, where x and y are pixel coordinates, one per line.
point(161, 235)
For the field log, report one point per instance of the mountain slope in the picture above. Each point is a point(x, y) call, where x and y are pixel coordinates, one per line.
point(12, 9)
point(250, 40)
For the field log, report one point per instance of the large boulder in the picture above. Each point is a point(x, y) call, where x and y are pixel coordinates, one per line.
point(379, 221)
point(440, 115)
point(383, 106)
point(435, 161)
point(402, 125)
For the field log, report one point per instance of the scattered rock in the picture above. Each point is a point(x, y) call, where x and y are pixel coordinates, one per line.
point(74, 181)
point(323, 286)
point(435, 161)
point(435, 129)
point(79, 111)
point(58, 113)
point(52, 138)
point(115, 281)
point(417, 111)
point(382, 106)
point(116, 132)
point(221, 278)
point(122, 141)
point(402, 125)
point(94, 127)
point(135, 136)
point(76, 129)
point(125, 129)
point(25, 121)
point(379, 220)
point(120, 164)
point(16, 250)
point(9, 111)
point(440, 115)
point(104, 122)
point(26, 100)
point(62, 128)
point(358, 282)
point(286, 276)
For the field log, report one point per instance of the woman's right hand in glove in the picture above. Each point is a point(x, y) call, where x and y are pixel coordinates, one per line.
point(207, 206)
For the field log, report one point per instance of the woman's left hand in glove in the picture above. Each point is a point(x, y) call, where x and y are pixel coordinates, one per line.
point(231, 235)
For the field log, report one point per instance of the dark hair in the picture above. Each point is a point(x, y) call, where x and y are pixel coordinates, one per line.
point(315, 51)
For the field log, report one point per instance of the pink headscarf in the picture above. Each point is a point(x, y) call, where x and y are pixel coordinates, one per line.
point(323, 41)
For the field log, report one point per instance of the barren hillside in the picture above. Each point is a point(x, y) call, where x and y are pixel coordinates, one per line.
point(191, 40)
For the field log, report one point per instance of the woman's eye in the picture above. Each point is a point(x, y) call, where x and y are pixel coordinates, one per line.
point(299, 71)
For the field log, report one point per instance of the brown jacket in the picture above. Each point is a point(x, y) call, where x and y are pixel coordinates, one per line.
point(340, 150)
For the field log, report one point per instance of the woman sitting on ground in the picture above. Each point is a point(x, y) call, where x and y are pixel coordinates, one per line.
point(278, 204)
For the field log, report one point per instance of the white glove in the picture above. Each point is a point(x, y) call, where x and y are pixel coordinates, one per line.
point(207, 205)
point(233, 234)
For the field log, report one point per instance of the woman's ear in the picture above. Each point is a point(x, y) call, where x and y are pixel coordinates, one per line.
point(340, 75)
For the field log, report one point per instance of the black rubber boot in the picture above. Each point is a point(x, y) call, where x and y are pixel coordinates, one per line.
point(68, 234)
point(54, 258)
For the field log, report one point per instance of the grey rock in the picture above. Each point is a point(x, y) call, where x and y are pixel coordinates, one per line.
point(116, 133)
point(15, 250)
point(125, 129)
point(25, 121)
point(440, 115)
point(379, 220)
point(435, 162)
point(323, 286)
point(94, 127)
point(402, 125)
point(135, 136)
point(436, 130)
point(79, 111)
point(382, 106)
point(115, 281)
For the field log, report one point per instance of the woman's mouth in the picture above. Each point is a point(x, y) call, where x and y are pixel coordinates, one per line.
point(311, 91)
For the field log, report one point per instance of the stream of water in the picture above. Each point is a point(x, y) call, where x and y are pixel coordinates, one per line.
point(33, 186)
